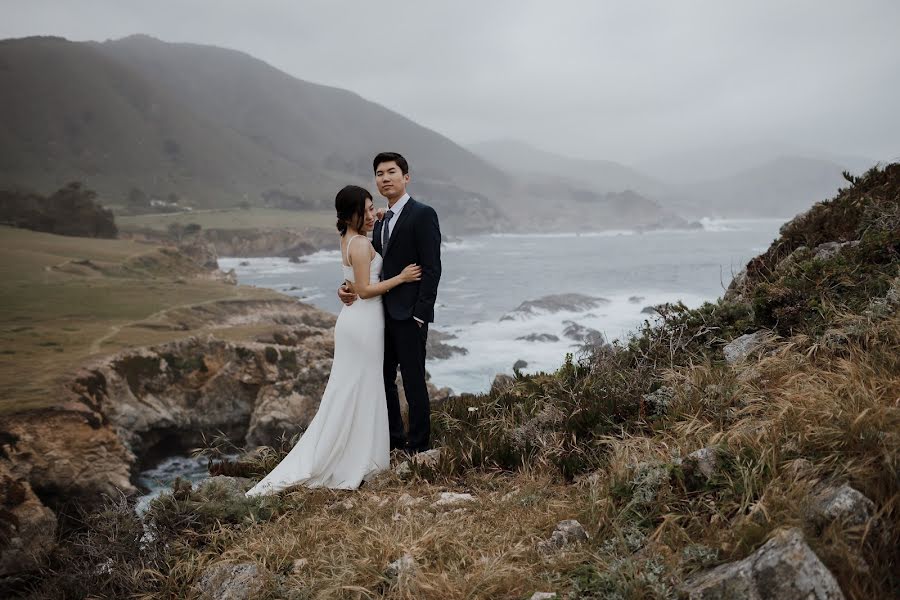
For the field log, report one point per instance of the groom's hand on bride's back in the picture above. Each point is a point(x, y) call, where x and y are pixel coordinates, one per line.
point(346, 294)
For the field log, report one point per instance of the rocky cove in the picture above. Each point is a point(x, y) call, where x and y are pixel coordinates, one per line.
point(130, 410)
point(741, 449)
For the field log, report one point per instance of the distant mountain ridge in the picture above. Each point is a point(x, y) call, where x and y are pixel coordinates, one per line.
point(212, 127)
point(600, 175)
point(779, 186)
point(215, 127)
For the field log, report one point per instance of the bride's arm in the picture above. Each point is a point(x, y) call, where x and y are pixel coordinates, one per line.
point(361, 260)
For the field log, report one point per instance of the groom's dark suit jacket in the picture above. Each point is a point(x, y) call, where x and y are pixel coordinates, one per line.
point(415, 238)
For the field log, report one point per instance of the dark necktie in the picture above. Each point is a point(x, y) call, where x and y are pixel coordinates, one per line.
point(386, 230)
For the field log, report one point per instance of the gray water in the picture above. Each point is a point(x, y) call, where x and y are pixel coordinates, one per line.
point(485, 277)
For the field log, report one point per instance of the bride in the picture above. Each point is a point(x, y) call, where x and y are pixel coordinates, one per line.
point(348, 441)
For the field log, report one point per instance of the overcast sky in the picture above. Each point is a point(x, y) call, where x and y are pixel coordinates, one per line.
point(616, 80)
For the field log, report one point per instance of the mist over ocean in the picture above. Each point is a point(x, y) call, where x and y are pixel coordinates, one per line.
point(487, 277)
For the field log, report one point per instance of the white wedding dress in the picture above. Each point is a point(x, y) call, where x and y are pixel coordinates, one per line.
point(348, 440)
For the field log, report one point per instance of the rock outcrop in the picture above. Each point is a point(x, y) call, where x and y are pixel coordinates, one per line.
point(270, 242)
point(742, 347)
point(565, 534)
point(784, 568)
point(27, 527)
point(555, 303)
point(165, 398)
point(231, 581)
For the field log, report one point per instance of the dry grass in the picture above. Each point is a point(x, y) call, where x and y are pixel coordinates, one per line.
point(815, 405)
point(56, 315)
point(783, 423)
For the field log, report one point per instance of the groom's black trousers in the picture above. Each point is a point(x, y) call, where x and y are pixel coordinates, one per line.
point(404, 344)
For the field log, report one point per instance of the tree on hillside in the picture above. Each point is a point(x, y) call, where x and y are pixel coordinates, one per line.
point(71, 210)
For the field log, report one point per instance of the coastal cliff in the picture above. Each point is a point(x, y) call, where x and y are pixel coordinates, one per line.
point(742, 449)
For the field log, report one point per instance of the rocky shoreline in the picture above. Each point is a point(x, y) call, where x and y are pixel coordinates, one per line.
point(130, 410)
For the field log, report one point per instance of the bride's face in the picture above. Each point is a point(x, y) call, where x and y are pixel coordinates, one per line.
point(369, 222)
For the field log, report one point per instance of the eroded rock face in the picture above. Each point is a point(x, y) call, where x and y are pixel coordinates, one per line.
point(269, 242)
point(163, 397)
point(126, 408)
point(784, 568)
point(27, 527)
point(68, 454)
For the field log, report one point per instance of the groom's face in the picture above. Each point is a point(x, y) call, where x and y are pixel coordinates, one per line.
point(390, 180)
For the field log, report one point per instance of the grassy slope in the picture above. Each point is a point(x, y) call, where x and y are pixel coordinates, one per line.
point(817, 403)
point(56, 315)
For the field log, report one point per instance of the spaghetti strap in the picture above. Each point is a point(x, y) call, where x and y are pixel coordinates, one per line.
point(346, 253)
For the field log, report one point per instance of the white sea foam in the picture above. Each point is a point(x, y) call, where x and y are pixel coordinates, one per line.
point(461, 245)
point(568, 234)
point(493, 345)
point(715, 224)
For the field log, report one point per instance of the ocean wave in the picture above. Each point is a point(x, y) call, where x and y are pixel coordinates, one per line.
point(495, 345)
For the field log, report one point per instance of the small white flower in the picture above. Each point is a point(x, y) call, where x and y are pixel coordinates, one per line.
point(473, 408)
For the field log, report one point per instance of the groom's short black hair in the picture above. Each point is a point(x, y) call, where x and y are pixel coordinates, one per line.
point(384, 157)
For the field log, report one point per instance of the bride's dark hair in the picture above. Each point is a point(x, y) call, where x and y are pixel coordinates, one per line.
point(350, 204)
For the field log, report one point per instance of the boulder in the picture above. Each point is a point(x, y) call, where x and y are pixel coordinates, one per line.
point(842, 503)
point(436, 347)
point(404, 567)
point(566, 533)
point(737, 289)
point(502, 383)
point(538, 337)
point(579, 333)
point(429, 458)
point(740, 348)
point(452, 499)
point(231, 581)
point(555, 303)
point(703, 462)
point(831, 249)
point(784, 568)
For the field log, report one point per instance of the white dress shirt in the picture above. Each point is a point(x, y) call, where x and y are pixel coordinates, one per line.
point(396, 210)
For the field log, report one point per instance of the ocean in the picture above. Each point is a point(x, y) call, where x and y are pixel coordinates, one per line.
point(486, 277)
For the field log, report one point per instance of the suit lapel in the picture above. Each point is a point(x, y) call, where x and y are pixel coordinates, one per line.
point(398, 226)
point(376, 238)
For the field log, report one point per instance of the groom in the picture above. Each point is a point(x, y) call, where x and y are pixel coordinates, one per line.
point(408, 233)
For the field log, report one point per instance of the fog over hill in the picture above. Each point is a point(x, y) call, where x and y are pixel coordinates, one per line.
point(600, 175)
point(216, 127)
point(213, 127)
point(748, 183)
